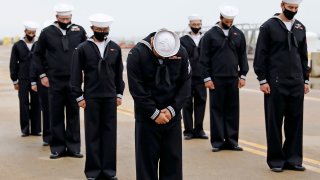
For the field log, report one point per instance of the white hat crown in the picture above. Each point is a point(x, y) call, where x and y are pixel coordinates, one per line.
point(166, 43)
point(101, 20)
point(193, 17)
point(31, 26)
point(63, 9)
point(229, 12)
point(292, 1)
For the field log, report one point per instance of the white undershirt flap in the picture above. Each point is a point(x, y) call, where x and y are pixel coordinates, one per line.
point(101, 47)
point(29, 45)
point(196, 38)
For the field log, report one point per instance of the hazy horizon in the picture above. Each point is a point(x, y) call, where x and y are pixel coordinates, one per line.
point(136, 19)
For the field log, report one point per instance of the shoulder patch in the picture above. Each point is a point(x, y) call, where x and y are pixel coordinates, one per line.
point(298, 26)
point(75, 28)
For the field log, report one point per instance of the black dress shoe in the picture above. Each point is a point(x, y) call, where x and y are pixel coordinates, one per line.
point(294, 167)
point(200, 135)
point(113, 178)
point(36, 134)
point(56, 155)
point(237, 148)
point(215, 149)
point(75, 154)
point(24, 134)
point(45, 143)
point(188, 136)
point(277, 169)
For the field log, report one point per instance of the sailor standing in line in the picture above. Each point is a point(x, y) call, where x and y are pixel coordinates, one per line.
point(196, 103)
point(42, 91)
point(281, 64)
point(98, 63)
point(21, 55)
point(53, 56)
point(159, 76)
point(224, 59)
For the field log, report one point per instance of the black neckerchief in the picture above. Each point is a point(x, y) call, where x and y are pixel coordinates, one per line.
point(162, 69)
point(291, 38)
point(64, 39)
point(102, 61)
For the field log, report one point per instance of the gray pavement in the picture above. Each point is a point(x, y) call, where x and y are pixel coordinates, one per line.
point(26, 158)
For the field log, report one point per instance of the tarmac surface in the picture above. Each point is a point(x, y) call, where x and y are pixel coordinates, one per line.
point(26, 158)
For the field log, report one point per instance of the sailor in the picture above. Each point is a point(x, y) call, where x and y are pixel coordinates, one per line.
point(196, 104)
point(53, 55)
point(21, 54)
point(281, 64)
point(99, 59)
point(225, 65)
point(159, 76)
point(42, 91)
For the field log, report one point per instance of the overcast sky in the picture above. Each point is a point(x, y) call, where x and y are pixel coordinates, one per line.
point(137, 18)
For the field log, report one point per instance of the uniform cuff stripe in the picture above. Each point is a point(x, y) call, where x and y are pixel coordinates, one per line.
point(80, 98)
point(43, 75)
point(173, 113)
point(263, 81)
point(207, 79)
point(155, 114)
point(243, 77)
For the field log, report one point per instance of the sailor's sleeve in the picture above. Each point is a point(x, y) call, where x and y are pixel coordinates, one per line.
point(205, 57)
point(141, 95)
point(118, 76)
point(76, 75)
point(184, 86)
point(261, 53)
point(14, 65)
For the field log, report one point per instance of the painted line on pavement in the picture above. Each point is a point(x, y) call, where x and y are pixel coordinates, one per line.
point(260, 149)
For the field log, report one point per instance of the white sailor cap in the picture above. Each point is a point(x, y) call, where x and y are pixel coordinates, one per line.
point(292, 1)
point(31, 26)
point(194, 17)
point(101, 20)
point(166, 43)
point(63, 9)
point(229, 12)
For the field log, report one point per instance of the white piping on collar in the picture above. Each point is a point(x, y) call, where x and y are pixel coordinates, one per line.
point(277, 17)
point(64, 32)
point(201, 35)
point(146, 43)
point(106, 42)
point(22, 39)
point(221, 27)
point(284, 22)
